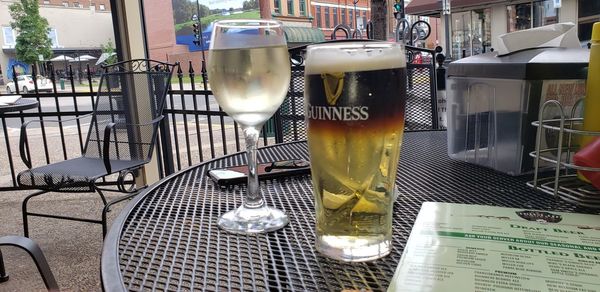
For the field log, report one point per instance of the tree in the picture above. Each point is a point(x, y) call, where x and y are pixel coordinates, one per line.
point(109, 48)
point(250, 5)
point(379, 19)
point(183, 10)
point(32, 28)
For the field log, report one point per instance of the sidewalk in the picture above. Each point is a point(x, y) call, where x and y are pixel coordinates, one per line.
point(72, 249)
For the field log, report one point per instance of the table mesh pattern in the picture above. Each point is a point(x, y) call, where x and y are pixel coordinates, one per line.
point(419, 95)
point(170, 241)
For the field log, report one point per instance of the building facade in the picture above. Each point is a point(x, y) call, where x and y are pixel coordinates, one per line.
point(474, 26)
point(327, 14)
point(293, 13)
point(93, 29)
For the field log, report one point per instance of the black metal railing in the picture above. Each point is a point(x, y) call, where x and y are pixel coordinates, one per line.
point(195, 128)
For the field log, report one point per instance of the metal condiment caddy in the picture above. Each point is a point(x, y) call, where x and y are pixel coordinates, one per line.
point(564, 184)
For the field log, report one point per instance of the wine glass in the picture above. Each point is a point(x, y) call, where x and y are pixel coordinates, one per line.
point(249, 73)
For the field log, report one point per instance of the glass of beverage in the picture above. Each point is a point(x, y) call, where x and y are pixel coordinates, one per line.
point(355, 96)
point(249, 73)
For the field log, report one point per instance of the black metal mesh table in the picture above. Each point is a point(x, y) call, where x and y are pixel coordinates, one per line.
point(167, 238)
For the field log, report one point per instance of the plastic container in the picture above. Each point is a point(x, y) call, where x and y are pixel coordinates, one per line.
point(493, 100)
point(589, 156)
point(591, 120)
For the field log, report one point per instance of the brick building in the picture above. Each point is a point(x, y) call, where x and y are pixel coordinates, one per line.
point(329, 13)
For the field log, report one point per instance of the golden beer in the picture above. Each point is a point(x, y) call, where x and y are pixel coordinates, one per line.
point(355, 95)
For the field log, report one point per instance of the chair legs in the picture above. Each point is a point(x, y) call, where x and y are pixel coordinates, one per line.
point(3, 275)
point(36, 254)
point(103, 221)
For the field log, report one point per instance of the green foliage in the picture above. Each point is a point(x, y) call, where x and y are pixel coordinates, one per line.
point(183, 10)
point(109, 49)
point(250, 4)
point(32, 39)
point(206, 21)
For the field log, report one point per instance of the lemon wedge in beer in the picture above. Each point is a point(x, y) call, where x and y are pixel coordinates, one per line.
point(334, 201)
point(365, 206)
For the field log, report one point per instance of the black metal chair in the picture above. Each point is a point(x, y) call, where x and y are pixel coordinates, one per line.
point(120, 139)
point(36, 254)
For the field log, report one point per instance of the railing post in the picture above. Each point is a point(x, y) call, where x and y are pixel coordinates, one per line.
point(441, 87)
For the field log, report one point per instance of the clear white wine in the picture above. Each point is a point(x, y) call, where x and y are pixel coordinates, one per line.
point(249, 83)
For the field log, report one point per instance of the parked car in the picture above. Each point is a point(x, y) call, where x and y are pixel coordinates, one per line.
point(25, 83)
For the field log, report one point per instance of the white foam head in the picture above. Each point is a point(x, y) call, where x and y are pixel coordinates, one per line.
point(354, 56)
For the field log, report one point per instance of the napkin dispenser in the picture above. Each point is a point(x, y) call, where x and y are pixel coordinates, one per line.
point(493, 99)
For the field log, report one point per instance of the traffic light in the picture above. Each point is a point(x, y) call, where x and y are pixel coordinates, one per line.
point(399, 9)
point(197, 33)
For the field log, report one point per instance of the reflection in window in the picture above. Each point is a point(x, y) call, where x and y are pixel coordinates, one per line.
point(471, 33)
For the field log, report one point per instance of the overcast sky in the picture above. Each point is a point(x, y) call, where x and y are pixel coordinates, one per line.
point(222, 4)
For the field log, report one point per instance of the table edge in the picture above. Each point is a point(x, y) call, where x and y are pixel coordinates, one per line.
point(110, 273)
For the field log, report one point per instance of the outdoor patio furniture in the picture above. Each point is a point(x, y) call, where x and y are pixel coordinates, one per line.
point(167, 239)
point(36, 254)
point(120, 140)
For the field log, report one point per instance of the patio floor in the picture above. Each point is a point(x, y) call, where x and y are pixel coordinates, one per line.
point(73, 249)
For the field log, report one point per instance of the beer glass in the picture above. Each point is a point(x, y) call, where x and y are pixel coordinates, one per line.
point(355, 96)
point(249, 73)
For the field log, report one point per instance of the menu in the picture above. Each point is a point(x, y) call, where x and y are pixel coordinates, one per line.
point(457, 247)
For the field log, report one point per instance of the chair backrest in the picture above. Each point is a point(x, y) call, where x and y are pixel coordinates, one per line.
point(132, 94)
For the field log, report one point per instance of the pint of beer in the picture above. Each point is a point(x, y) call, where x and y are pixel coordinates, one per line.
point(355, 96)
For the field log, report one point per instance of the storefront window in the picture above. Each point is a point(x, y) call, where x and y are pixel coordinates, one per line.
point(471, 33)
point(529, 15)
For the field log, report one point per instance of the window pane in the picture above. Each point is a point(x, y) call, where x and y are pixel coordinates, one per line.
point(481, 33)
point(589, 8)
point(327, 21)
point(303, 7)
point(9, 36)
point(335, 16)
point(290, 7)
point(461, 34)
point(102, 7)
point(319, 16)
point(343, 12)
point(277, 7)
point(351, 18)
point(519, 17)
point(53, 37)
point(544, 13)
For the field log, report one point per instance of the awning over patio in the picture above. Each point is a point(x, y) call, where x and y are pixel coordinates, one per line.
point(434, 7)
point(303, 35)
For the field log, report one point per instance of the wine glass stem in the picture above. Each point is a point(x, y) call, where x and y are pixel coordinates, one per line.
point(253, 197)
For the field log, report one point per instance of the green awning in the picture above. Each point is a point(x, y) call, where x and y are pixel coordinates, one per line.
point(303, 35)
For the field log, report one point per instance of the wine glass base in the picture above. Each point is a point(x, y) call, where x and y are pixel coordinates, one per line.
point(256, 220)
